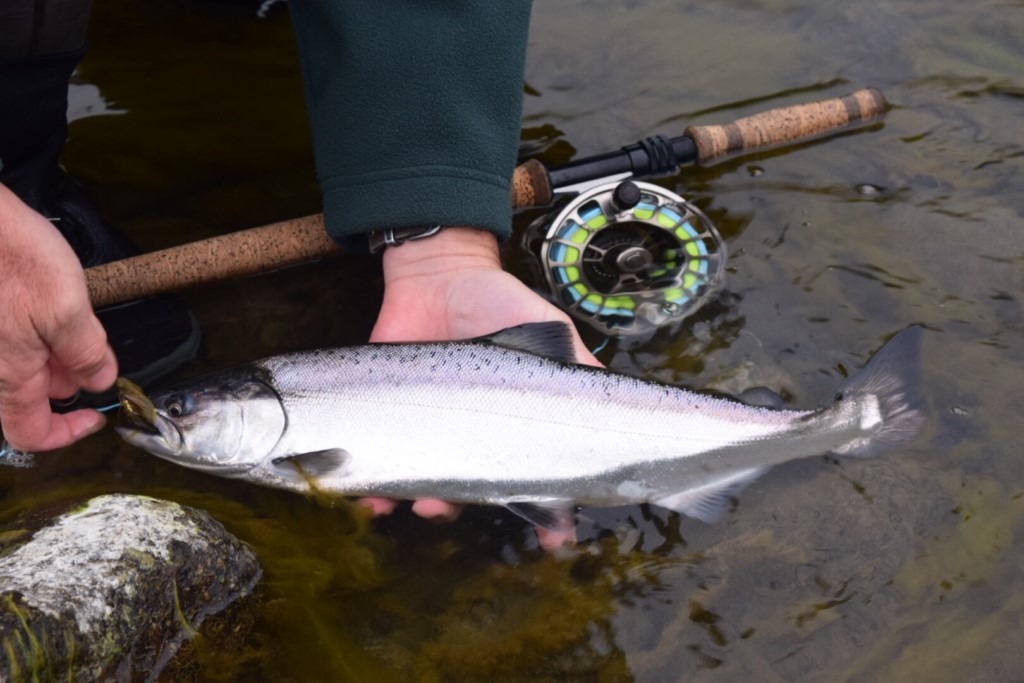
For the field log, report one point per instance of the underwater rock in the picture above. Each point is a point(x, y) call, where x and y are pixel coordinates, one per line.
point(111, 589)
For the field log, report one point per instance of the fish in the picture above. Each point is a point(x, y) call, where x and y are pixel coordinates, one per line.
point(509, 419)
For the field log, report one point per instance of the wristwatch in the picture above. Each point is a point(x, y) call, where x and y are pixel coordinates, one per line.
point(392, 237)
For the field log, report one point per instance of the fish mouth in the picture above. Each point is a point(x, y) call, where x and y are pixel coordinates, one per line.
point(161, 438)
point(135, 405)
point(147, 428)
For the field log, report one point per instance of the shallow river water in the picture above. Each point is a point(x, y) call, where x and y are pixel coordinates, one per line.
point(190, 122)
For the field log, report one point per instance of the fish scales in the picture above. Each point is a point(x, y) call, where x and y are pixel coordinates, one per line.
point(480, 424)
point(507, 420)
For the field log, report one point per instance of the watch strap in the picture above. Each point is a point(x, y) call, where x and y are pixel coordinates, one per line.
point(393, 237)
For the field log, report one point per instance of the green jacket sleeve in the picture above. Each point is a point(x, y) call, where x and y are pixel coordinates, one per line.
point(415, 108)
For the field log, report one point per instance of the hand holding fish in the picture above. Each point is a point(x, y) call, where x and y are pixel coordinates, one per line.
point(51, 343)
point(452, 286)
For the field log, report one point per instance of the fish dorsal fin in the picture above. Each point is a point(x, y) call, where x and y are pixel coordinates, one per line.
point(557, 514)
point(549, 339)
point(711, 501)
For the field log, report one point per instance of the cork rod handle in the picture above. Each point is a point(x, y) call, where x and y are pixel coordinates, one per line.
point(239, 253)
point(531, 185)
point(251, 251)
point(787, 124)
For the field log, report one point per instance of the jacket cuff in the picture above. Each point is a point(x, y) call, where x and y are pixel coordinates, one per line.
point(357, 205)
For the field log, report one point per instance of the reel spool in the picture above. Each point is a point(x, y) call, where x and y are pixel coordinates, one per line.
point(630, 257)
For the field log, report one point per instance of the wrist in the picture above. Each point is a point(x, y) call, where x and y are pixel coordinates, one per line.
point(456, 248)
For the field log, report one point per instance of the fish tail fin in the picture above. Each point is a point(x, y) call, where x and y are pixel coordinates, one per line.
point(893, 378)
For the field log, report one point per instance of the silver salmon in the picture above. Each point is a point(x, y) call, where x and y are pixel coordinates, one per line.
point(507, 420)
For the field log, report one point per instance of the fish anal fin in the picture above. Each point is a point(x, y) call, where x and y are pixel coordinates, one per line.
point(711, 501)
point(556, 514)
point(549, 339)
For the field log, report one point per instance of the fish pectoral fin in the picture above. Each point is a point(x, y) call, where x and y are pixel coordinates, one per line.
point(316, 463)
point(763, 397)
point(549, 339)
point(709, 502)
point(556, 514)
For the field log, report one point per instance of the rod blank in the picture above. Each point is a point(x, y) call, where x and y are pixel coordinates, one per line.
point(303, 239)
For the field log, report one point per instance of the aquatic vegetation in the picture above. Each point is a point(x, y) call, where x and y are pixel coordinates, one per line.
point(543, 618)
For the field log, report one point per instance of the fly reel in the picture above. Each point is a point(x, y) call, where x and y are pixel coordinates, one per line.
point(630, 257)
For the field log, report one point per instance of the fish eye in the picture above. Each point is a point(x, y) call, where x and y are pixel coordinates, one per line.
point(178, 405)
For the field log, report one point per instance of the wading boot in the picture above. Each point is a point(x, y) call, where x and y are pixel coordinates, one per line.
point(151, 337)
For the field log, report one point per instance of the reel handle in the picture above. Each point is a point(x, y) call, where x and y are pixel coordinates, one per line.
point(786, 124)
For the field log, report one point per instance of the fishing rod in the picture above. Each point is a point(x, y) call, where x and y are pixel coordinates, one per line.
point(596, 270)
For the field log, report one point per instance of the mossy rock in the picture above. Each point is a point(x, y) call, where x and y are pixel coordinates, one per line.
point(112, 588)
